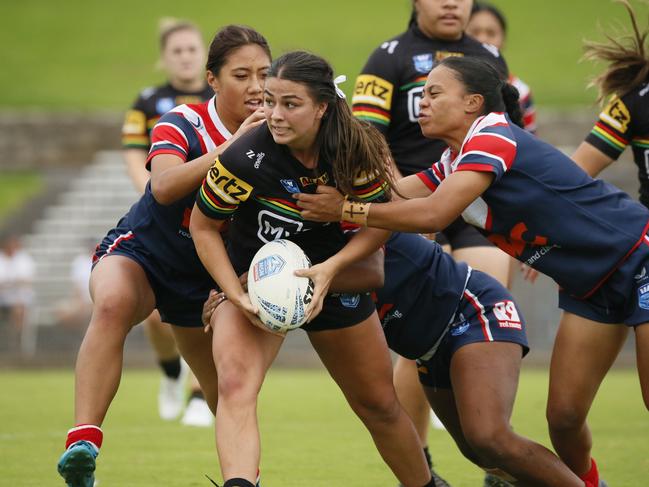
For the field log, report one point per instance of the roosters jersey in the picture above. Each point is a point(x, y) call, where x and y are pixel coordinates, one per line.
point(253, 181)
point(390, 86)
point(423, 286)
point(187, 131)
point(541, 208)
point(150, 105)
point(623, 122)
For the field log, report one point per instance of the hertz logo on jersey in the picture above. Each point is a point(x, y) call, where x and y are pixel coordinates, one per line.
point(226, 185)
point(134, 123)
point(616, 114)
point(373, 90)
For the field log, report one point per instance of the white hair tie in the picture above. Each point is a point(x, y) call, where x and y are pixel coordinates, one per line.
point(338, 80)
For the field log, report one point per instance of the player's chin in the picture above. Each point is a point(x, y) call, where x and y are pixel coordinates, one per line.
point(427, 127)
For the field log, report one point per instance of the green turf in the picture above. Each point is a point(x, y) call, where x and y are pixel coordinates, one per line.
point(309, 435)
point(81, 54)
point(17, 187)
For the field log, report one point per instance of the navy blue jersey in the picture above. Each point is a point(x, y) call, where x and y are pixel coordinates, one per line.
point(541, 208)
point(187, 131)
point(253, 182)
point(423, 286)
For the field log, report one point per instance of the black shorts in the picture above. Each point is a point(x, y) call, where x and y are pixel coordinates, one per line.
point(342, 311)
point(461, 235)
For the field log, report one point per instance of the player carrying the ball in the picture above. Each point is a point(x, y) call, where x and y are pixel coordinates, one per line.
point(310, 138)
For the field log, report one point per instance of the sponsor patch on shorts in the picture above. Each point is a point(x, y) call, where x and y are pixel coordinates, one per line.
point(643, 296)
point(507, 315)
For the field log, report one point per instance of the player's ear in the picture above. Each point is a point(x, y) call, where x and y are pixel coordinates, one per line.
point(321, 109)
point(213, 81)
point(473, 103)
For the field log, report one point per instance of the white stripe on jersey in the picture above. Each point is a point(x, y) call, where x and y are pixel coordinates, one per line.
point(216, 120)
point(176, 128)
point(476, 213)
point(197, 122)
point(166, 142)
point(492, 134)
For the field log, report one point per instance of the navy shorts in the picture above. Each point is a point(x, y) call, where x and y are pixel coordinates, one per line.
point(179, 296)
point(342, 311)
point(623, 298)
point(486, 313)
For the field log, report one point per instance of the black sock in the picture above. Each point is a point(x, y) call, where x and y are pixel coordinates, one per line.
point(430, 484)
point(429, 460)
point(171, 368)
point(238, 483)
point(196, 394)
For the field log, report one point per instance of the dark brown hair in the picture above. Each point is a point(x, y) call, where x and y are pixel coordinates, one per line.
point(628, 65)
point(354, 148)
point(169, 25)
point(482, 78)
point(229, 39)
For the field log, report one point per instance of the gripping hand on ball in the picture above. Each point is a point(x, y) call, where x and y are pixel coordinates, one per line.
point(321, 276)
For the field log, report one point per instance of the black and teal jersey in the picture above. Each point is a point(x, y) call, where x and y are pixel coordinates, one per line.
point(623, 122)
point(388, 90)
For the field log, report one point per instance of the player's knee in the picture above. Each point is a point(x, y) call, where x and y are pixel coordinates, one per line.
point(490, 443)
point(113, 311)
point(376, 408)
point(237, 383)
point(564, 417)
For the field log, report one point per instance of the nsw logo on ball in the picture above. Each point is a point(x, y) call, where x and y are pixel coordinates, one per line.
point(268, 266)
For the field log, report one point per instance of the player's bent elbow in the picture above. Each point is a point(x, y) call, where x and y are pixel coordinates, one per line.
point(162, 191)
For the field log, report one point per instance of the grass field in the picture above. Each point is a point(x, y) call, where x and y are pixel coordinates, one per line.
point(15, 188)
point(309, 435)
point(90, 55)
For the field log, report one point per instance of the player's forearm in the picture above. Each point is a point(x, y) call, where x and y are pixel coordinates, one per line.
point(213, 254)
point(361, 276)
point(365, 242)
point(178, 181)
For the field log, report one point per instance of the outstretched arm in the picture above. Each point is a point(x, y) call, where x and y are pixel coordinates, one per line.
point(423, 215)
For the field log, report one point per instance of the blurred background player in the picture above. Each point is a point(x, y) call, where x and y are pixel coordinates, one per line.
point(74, 312)
point(182, 57)
point(489, 26)
point(17, 269)
point(387, 94)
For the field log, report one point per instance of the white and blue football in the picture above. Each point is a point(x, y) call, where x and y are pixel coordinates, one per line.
point(281, 297)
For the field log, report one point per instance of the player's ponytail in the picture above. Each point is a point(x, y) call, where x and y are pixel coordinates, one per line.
point(482, 78)
point(512, 106)
point(351, 146)
point(628, 62)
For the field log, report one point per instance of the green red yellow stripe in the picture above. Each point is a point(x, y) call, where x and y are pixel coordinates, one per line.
point(215, 205)
point(421, 81)
point(640, 142)
point(609, 137)
point(283, 206)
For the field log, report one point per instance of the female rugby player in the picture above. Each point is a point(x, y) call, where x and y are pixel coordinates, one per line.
point(310, 138)
point(150, 253)
point(387, 94)
point(487, 24)
point(182, 56)
point(538, 206)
